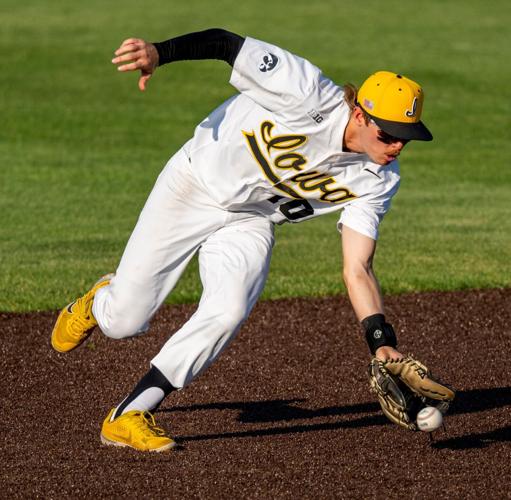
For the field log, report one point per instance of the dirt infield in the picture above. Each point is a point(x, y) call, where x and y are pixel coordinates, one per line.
point(284, 413)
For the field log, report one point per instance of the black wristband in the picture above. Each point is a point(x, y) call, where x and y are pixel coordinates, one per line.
point(378, 333)
point(210, 44)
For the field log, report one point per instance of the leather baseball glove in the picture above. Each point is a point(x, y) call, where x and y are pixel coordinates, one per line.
point(404, 386)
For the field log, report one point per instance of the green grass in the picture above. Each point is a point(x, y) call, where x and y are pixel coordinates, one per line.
point(80, 147)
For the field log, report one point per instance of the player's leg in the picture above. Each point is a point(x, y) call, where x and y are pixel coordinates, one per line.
point(176, 218)
point(175, 221)
point(234, 264)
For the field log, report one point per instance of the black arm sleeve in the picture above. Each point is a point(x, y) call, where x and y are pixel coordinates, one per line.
point(210, 44)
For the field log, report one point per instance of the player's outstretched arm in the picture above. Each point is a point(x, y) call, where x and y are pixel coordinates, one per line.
point(364, 292)
point(136, 54)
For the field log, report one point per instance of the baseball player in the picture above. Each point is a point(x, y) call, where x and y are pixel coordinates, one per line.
point(289, 146)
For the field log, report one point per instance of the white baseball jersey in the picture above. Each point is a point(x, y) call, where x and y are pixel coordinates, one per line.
point(276, 148)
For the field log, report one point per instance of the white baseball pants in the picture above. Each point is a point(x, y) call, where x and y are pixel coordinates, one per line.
point(178, 220)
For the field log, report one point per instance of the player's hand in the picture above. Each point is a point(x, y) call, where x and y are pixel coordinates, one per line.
point(136, 54)
point(386, 352)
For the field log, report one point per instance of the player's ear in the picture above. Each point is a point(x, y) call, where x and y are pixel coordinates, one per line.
point(357, 115)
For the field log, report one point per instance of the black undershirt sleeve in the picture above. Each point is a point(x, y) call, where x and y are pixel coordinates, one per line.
point(210, 44)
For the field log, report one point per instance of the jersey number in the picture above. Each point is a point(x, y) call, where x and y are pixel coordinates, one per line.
point(294, 209)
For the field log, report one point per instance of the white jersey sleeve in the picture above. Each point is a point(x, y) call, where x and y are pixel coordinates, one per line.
point(365, 214)
point(273, 77)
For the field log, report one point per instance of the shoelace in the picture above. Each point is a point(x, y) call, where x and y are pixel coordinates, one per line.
point(80, 322)
point(146, 424)
point(149, 418)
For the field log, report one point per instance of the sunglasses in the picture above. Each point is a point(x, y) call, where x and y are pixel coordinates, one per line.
point(387, 138)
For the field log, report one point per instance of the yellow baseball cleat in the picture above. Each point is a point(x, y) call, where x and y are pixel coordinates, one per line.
point(76, 321)
point(135, 429)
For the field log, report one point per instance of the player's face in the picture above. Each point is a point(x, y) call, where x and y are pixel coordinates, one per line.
point(381, 147)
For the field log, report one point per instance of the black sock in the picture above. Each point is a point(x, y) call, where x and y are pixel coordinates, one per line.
point(148, 394)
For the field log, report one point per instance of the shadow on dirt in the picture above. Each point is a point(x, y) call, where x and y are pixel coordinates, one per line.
point(285, 410)
point(360, 422)
point(282, 410)
point(475, 400)
point(277, 410)
point(481, 440)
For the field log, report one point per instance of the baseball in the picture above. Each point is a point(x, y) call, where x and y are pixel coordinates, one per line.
point(429, 419)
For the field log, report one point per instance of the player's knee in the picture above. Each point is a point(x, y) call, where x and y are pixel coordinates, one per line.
point(121, 327)
point(232, 318)
point(119, 316)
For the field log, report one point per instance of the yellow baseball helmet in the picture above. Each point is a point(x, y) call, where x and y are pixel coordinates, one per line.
point(394, 102)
